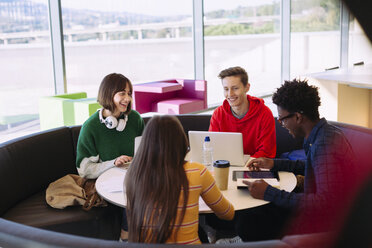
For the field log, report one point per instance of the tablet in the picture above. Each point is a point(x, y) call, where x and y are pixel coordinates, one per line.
point(272, 181)
point(247, 174)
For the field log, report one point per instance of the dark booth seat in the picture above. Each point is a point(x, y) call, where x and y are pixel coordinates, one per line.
point(29, 164)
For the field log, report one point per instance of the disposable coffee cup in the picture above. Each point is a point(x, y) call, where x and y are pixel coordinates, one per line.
point(221, 173)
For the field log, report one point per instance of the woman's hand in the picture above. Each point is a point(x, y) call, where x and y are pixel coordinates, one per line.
point(120, 161)
point(260, 163)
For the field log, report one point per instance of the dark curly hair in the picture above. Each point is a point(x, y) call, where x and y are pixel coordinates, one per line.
point(298, 96)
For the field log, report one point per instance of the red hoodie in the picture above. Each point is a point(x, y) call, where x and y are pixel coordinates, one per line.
point(257, 127)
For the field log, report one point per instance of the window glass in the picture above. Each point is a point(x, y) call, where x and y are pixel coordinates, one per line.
point(360, 48)
point(142, 39)
point(246, 34)
point(315, 36)
point(25, 65)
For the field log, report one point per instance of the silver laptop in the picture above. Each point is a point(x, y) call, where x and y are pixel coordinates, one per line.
point(226, 145)
point(137, 142)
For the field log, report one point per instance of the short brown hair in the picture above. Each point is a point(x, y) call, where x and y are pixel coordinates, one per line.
point(110, 85)
point(235, 71)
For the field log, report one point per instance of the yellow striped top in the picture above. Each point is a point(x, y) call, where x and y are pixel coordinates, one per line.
point(201, 183)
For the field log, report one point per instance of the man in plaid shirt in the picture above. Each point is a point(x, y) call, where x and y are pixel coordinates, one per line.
point(328, 171)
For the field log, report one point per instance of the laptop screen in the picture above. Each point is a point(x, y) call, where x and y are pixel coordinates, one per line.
point(226, 145)
point(137, 142)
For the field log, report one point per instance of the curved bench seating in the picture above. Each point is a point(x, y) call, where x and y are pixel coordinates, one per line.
point(29, 164)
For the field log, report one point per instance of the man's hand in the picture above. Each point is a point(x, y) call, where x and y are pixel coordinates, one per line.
point(257, 188)
point(120, 161)
point(260, 163)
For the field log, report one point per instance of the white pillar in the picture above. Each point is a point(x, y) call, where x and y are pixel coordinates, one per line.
point(139, 34)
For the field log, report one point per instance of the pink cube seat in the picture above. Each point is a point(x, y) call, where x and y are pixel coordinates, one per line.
point(179, 105)
point(175, 96)
point(157, 87)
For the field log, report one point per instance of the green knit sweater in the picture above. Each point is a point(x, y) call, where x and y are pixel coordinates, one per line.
point(98, 146)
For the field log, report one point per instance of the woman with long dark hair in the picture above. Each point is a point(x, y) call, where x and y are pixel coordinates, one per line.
point(163, 189)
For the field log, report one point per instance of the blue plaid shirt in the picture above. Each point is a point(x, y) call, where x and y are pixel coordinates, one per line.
point(328, 166)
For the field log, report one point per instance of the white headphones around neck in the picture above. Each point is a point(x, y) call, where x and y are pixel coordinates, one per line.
point(111, 122)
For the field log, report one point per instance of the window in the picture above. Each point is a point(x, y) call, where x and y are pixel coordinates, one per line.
point(360, 48)
point(241, 33)
point(142, 39)
point(25, 65)
point(152, 40)
point(315, 36)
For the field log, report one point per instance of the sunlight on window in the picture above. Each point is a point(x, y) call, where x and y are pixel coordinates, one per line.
point(25, 65)
point(128, 38)
point(245, 34)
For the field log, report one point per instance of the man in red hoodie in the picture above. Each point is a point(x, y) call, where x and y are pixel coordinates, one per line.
point(245, 114)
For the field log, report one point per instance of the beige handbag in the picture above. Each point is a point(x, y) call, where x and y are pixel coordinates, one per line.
point(72, 190)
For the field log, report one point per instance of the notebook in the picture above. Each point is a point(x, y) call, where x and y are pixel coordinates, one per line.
point(226, 146)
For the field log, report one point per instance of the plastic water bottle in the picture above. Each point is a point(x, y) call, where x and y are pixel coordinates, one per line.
point(208, 153)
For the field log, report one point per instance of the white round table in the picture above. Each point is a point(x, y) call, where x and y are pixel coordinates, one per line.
point(110, 185)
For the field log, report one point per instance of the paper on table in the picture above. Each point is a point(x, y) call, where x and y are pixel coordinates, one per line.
point(115, 184)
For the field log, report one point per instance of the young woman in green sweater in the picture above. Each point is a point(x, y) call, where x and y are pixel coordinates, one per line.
point(107, 138)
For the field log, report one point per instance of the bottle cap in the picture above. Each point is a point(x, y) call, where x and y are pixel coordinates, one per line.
point(207, 138)
point(221, 163)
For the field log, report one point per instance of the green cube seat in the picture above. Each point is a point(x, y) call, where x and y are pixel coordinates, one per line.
point(65, 110)
point(83, 108)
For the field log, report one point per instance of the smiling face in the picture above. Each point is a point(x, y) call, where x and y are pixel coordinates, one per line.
point(234, 90)
point(121, 100)
point(291, 121)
